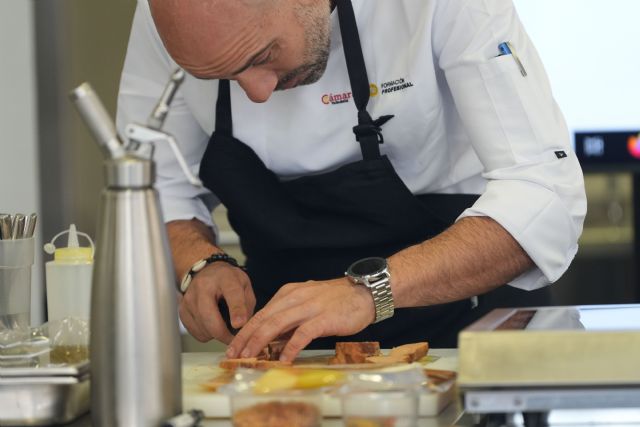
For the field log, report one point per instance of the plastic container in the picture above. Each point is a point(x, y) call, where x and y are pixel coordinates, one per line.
point(295, 408)
point(69, 277)
point(382, 408)
point(16, 259)
point(283, 407)
point(383, 398)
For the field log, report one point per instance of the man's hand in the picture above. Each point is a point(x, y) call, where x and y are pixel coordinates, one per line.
point(199, 310)
point(191, 240)
point(310, 310)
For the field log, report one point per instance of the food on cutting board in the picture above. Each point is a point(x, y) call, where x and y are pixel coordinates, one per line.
point(251, 363)
point(278, 414)
point(346, 353)
point(296, 379)
point(354, 352)
point(407, 353)
point(272, 351)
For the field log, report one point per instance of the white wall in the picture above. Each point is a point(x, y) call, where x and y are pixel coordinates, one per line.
point(19, 177)
point(591, 50)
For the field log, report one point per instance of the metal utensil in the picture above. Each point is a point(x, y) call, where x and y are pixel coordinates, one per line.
point(5, 226)
point(18, 227)
point(30, 225)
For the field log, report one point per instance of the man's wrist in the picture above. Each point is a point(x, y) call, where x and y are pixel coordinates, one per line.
point(368, 303)
point(373, 273)
point(191, 241)
point(202, 263)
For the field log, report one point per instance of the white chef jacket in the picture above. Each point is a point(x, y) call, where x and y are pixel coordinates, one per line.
point(466, 120)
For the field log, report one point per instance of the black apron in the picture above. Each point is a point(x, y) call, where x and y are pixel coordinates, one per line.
point(314, 227)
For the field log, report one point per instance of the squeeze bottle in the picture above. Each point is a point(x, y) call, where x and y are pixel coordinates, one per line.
point(68, 277)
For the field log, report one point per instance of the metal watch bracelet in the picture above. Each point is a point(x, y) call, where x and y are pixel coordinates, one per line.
point(200, 265)
point(382, 298)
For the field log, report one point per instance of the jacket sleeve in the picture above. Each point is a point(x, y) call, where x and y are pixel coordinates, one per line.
point(535, 187)
point(146, 71)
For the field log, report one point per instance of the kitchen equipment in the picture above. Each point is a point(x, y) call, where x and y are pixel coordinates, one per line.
point(30, 225)
point(5, 226)
point(69, 277)
point(135, 345)
point(383, 397)
point(16, 259)
point(43, 396)
point(536, 360)
point(17, 231)
point(18, 226)
point(199, 369)
point(398, 408)
point(191, 418)
point(252, 405)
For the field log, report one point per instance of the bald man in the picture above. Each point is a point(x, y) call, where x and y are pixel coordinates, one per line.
point(414, 144)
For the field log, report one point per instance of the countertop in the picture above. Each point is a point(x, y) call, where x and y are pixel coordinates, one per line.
point(446, 360)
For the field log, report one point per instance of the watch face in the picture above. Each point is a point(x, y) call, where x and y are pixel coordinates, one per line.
point(367, 266)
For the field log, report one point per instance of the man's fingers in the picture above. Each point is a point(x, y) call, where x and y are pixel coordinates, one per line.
point(301, 338)
point(222, 333)
point(268, 327)
point(210, 320)
point(190, 323)
point(235, 297)
point(288, 297)
point(250, 299)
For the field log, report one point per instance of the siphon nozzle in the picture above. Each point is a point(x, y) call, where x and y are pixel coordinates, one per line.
point(97, 119)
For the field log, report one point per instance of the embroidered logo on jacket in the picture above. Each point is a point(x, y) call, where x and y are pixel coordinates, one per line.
point(336, 98)
point(395, 86)
point(375, 89)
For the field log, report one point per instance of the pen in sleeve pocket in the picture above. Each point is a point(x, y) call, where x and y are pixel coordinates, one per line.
point(506, 48)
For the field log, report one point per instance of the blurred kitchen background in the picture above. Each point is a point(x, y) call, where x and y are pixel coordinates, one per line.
point(50, 165)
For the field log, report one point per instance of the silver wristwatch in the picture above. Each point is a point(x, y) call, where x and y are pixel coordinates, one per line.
point(374, 274)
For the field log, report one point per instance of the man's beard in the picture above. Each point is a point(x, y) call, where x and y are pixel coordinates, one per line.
point(317, 46)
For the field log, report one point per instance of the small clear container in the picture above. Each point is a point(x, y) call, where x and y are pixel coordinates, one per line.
point(284, 407)
point(383, 398)
point(16, 259)
point(294, 408)
point(382, 408)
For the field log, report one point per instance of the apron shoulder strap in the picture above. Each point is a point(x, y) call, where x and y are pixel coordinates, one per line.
point(368, 131)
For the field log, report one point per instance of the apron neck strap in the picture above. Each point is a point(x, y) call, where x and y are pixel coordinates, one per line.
point(224, 121)
point(368, 131)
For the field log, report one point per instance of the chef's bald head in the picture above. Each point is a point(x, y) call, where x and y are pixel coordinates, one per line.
point(263, 44)
point(189, 28)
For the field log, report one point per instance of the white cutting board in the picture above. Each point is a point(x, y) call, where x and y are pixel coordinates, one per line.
point(198, 368)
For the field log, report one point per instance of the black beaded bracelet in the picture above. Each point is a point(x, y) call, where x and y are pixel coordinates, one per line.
point(198, 266)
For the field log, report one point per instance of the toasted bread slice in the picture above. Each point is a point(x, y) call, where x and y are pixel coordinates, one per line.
point(354, 352)
point(411, 352)
point(233, 364)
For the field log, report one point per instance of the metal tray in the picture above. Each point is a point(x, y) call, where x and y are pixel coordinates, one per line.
point(43, 396)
